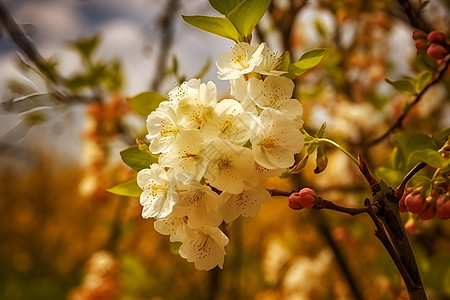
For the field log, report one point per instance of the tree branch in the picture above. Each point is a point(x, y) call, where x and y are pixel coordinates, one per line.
point(167, 33)
point(414, 17)
point(398, 123)
point(22, 41)
point(401, 188)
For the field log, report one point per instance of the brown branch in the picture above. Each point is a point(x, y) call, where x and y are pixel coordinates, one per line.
point(399, 121)
point(381, 234)
point(23, 42)
point(401, 188)
point(276, 192)
point(365, 171)
point(326, 204)
point(322, 203)
point(324, 229)
point(167, 34)
point(414, 17)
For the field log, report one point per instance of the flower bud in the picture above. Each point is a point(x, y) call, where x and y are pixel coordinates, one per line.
point(401, 203)
point(436, 51)
point(294, 201)
point(421, 45)
point(443, 207)
point(414, 203)
point(410, 226)
point(428, 213)
point(436, 37)
point(419, 34)
point(307, 197)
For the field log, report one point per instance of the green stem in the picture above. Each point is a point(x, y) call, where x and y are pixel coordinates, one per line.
point(352, 158)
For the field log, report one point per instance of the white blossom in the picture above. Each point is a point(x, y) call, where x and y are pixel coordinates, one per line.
point(229, 121)
point(270, 63)
point(242, 59)
point(158, 192)
point(206, 250)
point(275, 92)
point(199, 203)
point(175, 226)
point(185, 156)
point(163, 128)
point(247, 203)
point(275, 139)
point(195, 101)
point(229, 166)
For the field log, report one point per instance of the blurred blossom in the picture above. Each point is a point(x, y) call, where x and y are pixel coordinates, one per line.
point(303, 278)
point(101, 280)
point(275, 258)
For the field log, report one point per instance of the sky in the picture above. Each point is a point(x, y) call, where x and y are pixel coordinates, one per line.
point(129, 31)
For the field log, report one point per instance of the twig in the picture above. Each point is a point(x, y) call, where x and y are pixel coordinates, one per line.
point(326, 204)
point(323, 204)
point(339, 255)
point(401, 188)
point(414, 17)
point(365, 171)
point(381, 234)
point(399, 121)
point(276, 192)
point(22, 41)
point(167, 33)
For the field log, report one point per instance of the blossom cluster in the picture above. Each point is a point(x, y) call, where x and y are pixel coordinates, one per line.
point(213, 153)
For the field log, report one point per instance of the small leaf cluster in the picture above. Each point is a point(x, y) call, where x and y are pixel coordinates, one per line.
point(313, 143)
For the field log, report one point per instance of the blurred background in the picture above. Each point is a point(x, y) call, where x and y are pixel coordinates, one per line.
point(65, 117)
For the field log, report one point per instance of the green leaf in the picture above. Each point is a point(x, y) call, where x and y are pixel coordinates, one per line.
point(404, 86)
point(247, 14)
point(284, 61)
point(410, 142)
point(224, 6)
point(300, 165)
point(442, 136)
point(321, 131)
point(136, 159)
point(321, 160)
point(86, 46)
point(175, 247)
point(129, 188)
point(217, 25)
point(307, 61)
point(146, 102)
point(422, 80)
point(391, 176)
point(429, 156)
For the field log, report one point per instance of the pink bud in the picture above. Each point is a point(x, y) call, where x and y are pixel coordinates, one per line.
point(436, 37)
point(443, 207)
point(401, 203)
point(294, 201)
point(410, 226)
point(414, 203)
point(307, 197)
point(428, 213)
point(421, 45)
point(419, 34)
point(436, 51)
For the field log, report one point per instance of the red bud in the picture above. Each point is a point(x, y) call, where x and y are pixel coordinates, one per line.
point(419, 34)
point(443, 207)
point(294, 201)
point(414, 203)
point(436, 37)
point(428, 213)
point(421, 45)
point(436, 51)
point(307, 197)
